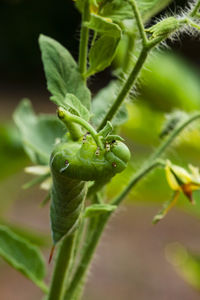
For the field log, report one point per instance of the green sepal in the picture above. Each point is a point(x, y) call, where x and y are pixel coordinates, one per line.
point(22, 256)
point(164, 27)
point(108, 128)
point(62, 72)
point(98, 209)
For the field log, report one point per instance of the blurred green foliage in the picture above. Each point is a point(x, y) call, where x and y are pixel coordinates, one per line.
point(185, 262)
point(12, 157)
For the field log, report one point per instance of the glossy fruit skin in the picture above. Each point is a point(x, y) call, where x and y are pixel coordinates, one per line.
point(72, 165)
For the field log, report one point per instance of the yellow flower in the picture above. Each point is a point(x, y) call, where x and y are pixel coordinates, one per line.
point(180, 180)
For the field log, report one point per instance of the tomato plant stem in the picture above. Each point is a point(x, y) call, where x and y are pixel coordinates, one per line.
point(83, 47)
point(63, 261)
point(126, 88)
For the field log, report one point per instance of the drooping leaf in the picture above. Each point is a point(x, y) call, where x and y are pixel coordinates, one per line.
point(39, 134)
point(101, 103)
point(102, 54)
point(73, 104)
point(62, 72)
point(22, 256)
point(98, 209)
point(104, 26)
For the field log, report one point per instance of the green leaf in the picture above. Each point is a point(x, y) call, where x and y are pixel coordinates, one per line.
point(39, 134)
point(103, 50)
point(103, 26)
point(62, 72)
point(102, 54)
point(101, 103)
point(120, 10)
point(98, 209)
point(73, 105)
point(22, 256)
point(116, 10)
point(34, 237)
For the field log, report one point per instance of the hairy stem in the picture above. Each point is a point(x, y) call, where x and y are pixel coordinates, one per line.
point(126, 88)
point(173, 135)
point(193, 24)
point(139, 21)
point(195, 9)
point(83, 47)
point(61, 268)
point(136, 178)
point(87, 256)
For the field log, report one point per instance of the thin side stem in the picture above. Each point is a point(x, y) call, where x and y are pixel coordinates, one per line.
point(136, 178)
point(126, 88)
point(193, 24)
point(173, 135)
point(139, 21)
point(83, 47)
point(60, 270)
point(195, 9)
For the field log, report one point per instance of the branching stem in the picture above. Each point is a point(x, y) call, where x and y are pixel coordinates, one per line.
point(136, 178)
